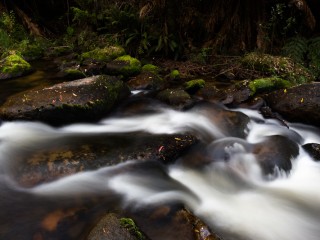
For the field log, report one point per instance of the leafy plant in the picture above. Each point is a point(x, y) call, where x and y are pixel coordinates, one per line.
point(296, 48)
point(304, 51)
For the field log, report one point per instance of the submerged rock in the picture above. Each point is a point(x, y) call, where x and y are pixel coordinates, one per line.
point(71, 155)
point(276, 152)
point(297, 104)
point(81, 100)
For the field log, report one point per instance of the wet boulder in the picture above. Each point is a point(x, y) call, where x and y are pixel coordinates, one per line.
point(275, 152)
point(297, 104)
point(81, 100)
point(313, 149)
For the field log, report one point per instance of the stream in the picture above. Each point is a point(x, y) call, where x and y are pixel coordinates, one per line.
point(230, 194)
point(223, 180)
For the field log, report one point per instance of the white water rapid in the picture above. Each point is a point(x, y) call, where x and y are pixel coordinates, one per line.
point(232, 196)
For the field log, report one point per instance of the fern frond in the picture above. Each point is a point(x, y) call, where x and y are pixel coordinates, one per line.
point(296, 48)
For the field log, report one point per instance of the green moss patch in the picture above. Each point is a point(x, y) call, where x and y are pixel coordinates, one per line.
point(174, 74)
point(194, 85)
point(130, 66)
point(150, 68)
point(131, 226)
point(267, 84)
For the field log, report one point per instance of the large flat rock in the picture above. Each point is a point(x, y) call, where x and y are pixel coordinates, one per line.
point(80, 100)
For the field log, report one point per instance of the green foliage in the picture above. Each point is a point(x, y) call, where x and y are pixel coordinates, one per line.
point(32, 50)
point(82, 16)
point(129, 224)
point(5, 40)
point(314, 55)
point(285, 21)
point(304, 51)
point(282, 20)
point(8, 22)
point(11, 32)
point(296, 48)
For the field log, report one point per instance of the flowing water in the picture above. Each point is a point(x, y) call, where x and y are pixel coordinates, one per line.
point(234, 196)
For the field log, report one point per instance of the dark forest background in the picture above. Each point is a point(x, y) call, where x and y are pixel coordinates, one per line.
point(173, 29)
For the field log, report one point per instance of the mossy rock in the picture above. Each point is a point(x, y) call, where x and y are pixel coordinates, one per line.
point(194, 85)
point(126, 66)
point(13, 66)
point(174, 74)
point(268, 84)
point(131, 226)
point(150, 68)
point(174, 97)
point(147, 81)
point(105, 54)
point(73, 73)
point(283, 67)
point(112, 227)
point(86, 99)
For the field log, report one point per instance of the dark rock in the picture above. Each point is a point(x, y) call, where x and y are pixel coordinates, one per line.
point(230, 123)
point(109, 228)
point(211, 92)
point(81, 100)
point(69, 156)
point(168, 222)
point(146, 81)
point(313, 149)
point(297, 104)
point(174, 97)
